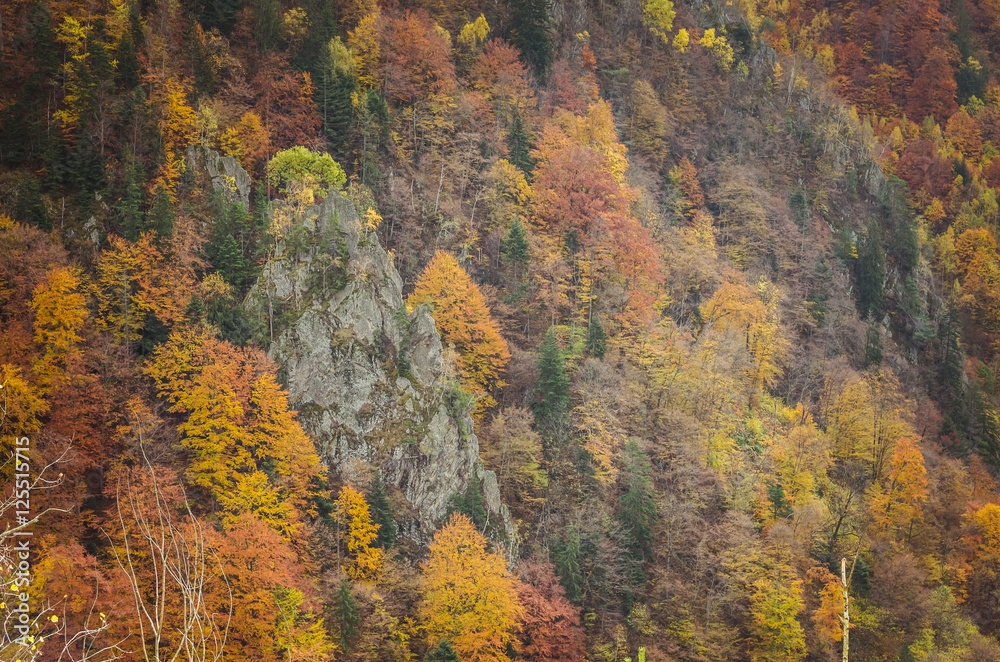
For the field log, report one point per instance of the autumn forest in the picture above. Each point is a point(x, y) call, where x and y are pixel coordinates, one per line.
point(543, 330)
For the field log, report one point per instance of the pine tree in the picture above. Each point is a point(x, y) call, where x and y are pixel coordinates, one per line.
point(381, 510)
point(519, 146)
point(566, 559)
point(335, 82)
point(799, 206)
point(471, 502)
point(128, 209)
point(637, 506)
point(551, 405)
point(161, 215)
point(871, 275)
point(597, 339)
point(348, 615)
point(443, 653)
point(29, 208)
point(819, 293)
point(515, 245)
point(873, 348)
point(266, 23)
point(530, 31)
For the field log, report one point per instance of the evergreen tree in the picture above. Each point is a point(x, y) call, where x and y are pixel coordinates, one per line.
point(873, 348)
point(23, 124)
point(530, 31)
point(335, 83)
point(347, 613)
point(128, 209)
point(566, 559)
point(551, 405)
point(637, 506)
point(799, 206)
point(161, 215)
point(819, 292)
point(780, 508)
point(443, 653)
point(597, 339)
point(950, 373)
point(871, 275)
point(29, 208)
point(471, 503)
point(266, 23)
point(515, 245)
point(381, 510)
point(519, 147)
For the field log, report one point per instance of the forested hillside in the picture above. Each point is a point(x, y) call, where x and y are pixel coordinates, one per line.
point(716, 289)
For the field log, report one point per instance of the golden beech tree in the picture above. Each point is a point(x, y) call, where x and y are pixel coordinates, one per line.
point(776, 635)
point(134, 282)
point(899, 502)
point(60, 313)
point(463, 319)
point(469, 596)
point(357, 532)
point(239, 428)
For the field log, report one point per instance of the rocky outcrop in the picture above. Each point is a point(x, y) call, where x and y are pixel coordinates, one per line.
point(368, 379)
point(225, 172)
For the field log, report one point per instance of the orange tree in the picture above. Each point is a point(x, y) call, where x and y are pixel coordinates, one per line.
point(463, 319)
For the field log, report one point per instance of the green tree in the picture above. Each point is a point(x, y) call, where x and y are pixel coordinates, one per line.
point(519, 146)
point(597, 339)
point(873, 348)
point(515, 245)
point(530, 31)
point(266, 23)
point(566, 559)
point(551, 406)
point(637, 508)
point(443, 653)
point(381, 511)
point(347, 614)
point(335, 82)
point(471, 502)
point(871, 275)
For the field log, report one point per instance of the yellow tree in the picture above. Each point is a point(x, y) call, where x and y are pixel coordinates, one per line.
point(776, 635)
point(463, 319)
point(213, 433)
point(754, 314)
point(469, 596)
point(277, 441)
point(866, 418)
point(60, 313)
point(357, 532)
point(130, 287)
point(899, 502)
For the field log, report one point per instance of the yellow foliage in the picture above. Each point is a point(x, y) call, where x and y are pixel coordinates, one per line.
point(469, 596)
point(681, 40)
point(658, 16)
point(506, 194)
point(60, 313)
point(473, 34)
point(357, 532)
point(366, 48)
point(720, 49)
point(867, 417)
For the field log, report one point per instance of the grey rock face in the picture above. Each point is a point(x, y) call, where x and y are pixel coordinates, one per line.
point(368, 378)
point(226, 172)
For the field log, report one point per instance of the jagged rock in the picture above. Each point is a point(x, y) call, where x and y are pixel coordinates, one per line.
point(368, 378)
point(226, 173)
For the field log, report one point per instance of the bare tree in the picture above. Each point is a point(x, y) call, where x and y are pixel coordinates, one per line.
point(171, 569)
